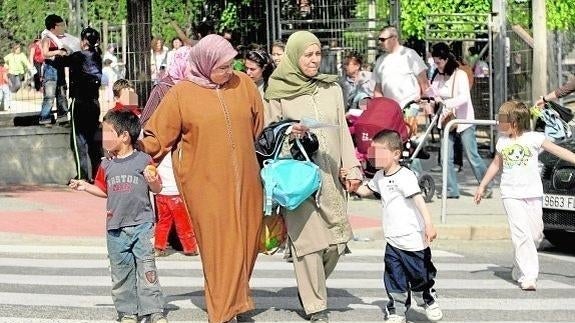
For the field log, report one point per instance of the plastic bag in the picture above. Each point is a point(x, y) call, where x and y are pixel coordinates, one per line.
point(273, 234)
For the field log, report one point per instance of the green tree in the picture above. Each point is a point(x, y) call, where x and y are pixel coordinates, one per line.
point(560, 14)
point(186, 13)
point(21, 21)
point(415, 12)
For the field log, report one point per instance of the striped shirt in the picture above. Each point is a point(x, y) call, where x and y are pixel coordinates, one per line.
point(156, 96)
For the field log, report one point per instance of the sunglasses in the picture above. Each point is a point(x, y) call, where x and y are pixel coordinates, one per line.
point(382, 39)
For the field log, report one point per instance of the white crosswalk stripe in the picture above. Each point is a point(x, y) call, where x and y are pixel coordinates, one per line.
point(69, 284)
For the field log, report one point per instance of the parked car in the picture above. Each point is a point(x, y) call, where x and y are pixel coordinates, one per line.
point(558, 179)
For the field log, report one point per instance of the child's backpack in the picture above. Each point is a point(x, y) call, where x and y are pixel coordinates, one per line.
point(38, 56)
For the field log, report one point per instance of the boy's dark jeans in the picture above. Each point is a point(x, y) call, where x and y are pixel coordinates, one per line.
point(408, 273)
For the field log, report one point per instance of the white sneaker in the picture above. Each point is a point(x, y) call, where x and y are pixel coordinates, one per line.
point(129, 318)
point(528, 285)
point(433, 312)
point(394, 318)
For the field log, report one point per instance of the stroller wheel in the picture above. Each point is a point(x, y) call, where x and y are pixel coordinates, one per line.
point(427, 185)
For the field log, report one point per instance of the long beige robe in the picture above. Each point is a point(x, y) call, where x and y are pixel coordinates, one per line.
point(215, 167)
point(312, 228)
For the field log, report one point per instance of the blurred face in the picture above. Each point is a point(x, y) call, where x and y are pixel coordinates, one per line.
point(16, 49)
point(159, 46)
point(221, 74)
point(60, 28)
point(254, 71)
point(111, 141)
point(176, 43)
point(387, 41)
point(440, 63)
point(277, 54)
point(504, 126)
point(381, 157)
point(352, 67)
point(309, 61)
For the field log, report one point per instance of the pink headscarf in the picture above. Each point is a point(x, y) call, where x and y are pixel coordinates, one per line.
point(178, 68)
point(210, 52)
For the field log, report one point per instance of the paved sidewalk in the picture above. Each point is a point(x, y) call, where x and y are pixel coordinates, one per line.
point(58, 212)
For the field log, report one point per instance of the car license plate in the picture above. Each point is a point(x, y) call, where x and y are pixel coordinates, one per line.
point(559, 202)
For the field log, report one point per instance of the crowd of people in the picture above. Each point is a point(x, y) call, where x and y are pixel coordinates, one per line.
point(209, 94)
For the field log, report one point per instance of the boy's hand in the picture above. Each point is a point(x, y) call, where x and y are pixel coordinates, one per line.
point(351, 185)
point(78, 184)
point(478, 194)
point(342, 175)
point(430, 233)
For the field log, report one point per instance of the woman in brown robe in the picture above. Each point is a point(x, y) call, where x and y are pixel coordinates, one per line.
point(212, 121)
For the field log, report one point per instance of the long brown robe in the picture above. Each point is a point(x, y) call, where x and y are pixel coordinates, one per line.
point(213, 132)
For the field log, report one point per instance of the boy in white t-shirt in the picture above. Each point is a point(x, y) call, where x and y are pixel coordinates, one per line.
point(521, 187)
point(408, 231)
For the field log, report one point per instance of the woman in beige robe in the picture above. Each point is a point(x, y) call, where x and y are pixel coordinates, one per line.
point(318, 232)
point(212, 121)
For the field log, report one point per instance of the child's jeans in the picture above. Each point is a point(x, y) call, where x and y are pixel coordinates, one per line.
point(5, 97)
point(135, 285)
point(405, 272)
point(53, 89)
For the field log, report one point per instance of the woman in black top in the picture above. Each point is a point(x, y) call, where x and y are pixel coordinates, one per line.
point(85, 81)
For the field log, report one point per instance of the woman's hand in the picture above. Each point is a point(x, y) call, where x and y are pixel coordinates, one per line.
point(298, 130)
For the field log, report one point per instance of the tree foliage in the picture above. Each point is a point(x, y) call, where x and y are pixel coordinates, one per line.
point(186, 13)
point(414, 14)
point(560, 14)
point(22, 20)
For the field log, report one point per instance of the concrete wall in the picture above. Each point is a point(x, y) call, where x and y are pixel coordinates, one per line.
point(35, 155)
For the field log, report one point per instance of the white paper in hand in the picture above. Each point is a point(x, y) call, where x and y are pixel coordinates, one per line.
point(315, 124)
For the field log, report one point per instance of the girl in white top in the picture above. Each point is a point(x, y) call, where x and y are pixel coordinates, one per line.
point(521, 187)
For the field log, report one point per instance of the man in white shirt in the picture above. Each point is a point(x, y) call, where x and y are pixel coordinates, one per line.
point(399, 73)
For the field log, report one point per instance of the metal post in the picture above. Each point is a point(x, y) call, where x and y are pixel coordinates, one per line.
point(124, 47)
point(269, 25)
point(371, 44)
point(491, 75)
point(559, 38)
point(499, 69)
point(105, 36)
point(278, 16)
point(394, 15)
point(445, 156)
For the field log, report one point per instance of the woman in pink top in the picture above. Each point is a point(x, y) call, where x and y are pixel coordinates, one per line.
point(451, 87)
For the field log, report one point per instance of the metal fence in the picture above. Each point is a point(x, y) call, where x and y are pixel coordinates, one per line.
point(342, 27)
point(520, 59)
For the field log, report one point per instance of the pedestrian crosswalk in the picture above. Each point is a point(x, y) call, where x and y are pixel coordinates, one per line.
point(70, 284)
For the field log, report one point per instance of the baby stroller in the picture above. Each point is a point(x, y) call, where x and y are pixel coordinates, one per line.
point(385, 114)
